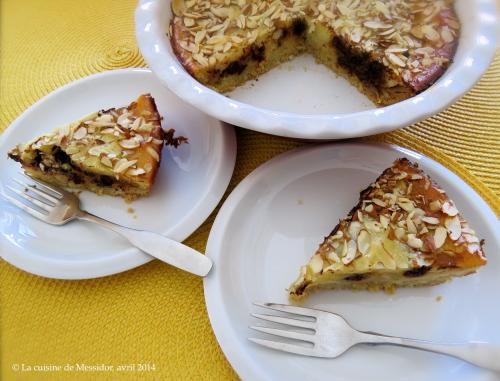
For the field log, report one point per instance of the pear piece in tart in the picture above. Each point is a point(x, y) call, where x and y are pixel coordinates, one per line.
point(404, 232)
point(114, 152)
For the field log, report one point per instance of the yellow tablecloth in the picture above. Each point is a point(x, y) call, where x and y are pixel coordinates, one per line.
point(155, 314)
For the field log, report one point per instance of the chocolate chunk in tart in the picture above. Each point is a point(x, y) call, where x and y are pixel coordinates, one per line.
point(114, 152)
point(389, 49)
point(404, 232)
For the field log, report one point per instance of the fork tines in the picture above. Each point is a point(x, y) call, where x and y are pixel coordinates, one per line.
point(39, 198)
point(293, 322)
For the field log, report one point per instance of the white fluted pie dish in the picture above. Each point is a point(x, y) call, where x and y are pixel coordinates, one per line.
point(302, 99)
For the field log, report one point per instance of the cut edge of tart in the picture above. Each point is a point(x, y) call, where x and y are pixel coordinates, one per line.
point(114, 152)
point(404, 232)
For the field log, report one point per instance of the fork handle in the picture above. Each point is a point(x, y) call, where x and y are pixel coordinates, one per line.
point(158, 246)
point(481, 354)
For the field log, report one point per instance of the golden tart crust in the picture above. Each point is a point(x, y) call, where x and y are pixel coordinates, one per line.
point(398, 47)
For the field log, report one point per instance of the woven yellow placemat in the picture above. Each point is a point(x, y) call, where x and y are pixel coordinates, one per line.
point(155, 315)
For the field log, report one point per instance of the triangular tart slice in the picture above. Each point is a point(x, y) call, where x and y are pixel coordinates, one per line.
point(115, 152)
point(404, 232)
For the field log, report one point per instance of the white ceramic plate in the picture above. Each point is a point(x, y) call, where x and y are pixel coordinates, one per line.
point(190, 182)
point(272, 223)
point(304, 100)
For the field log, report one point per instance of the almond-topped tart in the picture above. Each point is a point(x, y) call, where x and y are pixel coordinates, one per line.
point(115, 152)
point(389, 49)
point(404, 232)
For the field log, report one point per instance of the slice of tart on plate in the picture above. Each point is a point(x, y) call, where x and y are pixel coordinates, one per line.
point(404, 232)
point(115, 152)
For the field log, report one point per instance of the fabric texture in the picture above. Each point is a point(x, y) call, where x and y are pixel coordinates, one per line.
point(156, 314)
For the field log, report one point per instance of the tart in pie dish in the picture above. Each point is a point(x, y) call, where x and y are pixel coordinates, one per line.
point(114, 152)
point(404, 232)
point(389, 49)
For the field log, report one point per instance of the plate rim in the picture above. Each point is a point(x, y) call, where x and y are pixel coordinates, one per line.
point(212, 285)
point(129, 258)
point(453, 84)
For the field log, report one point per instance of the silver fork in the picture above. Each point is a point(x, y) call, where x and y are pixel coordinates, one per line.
point(333, 336)
point(58, 207)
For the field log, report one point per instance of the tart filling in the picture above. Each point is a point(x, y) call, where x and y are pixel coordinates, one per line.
point(404, 232)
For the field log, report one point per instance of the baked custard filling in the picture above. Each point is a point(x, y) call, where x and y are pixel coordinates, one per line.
point(57, 164)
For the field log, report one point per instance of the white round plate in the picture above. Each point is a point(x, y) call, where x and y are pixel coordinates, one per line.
point(274, 221)
point(302, 99)
point(190, 182)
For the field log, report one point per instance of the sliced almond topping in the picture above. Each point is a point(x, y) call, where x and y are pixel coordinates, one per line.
point(332, 256)
point(411, 226)
point(152, 152)
point(400, 233)
point(80, 133)
point(107, 161)
point(396, 60)
point(64, 131)
point(447, 35)
point(430, 33)
point(414, 242)
point(364, 242)
point(454, 228)
point(351, 252)
point(129, 143)
point(354, 229)
point(406, 204)
point(373, 226)
point(376, 25)
point(449, 209)
point(188, 21)
point(122, 165)
point(472, 248)
point(123, 119)
point(417, 32)
point(396, 49)
point(431, 220)
point(471, 238)
point(95, 151)
point(379, 202)
point(339, 234)
point(384, 221)
point(316, 264)
point(136, 172)
point(136, 123)
point(199, 36)
point(104, 118)
point(382, 8)
point(360, 215)
point(178, 7)
point(440, 236)
point(72, 149)
point(435, 205)
point(145, 127)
